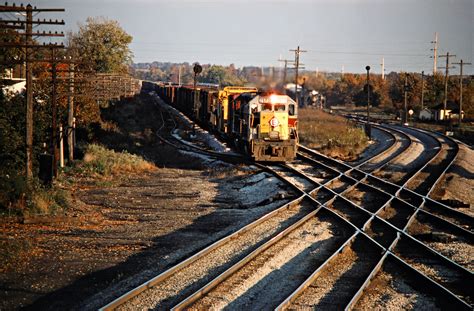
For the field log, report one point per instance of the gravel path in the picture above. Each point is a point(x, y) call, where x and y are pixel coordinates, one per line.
point(273, 275)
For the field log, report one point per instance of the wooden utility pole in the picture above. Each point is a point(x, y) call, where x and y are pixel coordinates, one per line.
point(297, 66)
point(70, 115)
point(285, 69)
point(446, 78)
point(405, 89)
point(28, 46)
point(422, 90)
point(383, 68)
point(29, 94)
point(54, 113)
point(435, 53)
point(461, 64)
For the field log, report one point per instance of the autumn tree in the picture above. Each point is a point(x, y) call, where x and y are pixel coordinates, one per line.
point(221, 75)
point(103, 44)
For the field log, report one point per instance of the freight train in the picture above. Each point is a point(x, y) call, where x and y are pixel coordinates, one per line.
point(262, 125)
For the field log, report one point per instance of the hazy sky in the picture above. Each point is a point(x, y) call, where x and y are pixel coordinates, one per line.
point(336, 33)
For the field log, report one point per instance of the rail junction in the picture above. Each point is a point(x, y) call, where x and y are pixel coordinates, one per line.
point(348, 227)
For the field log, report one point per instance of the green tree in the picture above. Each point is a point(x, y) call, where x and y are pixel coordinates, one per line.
point(221, 75)
point(103, 45)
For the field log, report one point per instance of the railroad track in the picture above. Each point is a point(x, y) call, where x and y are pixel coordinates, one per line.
point(168, 134)
point(346, 227)
point(400, 216)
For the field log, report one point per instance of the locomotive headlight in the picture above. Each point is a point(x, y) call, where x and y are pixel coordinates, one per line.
point(273, 98)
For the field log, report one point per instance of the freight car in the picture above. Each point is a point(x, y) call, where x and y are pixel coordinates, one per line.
point(261, 125)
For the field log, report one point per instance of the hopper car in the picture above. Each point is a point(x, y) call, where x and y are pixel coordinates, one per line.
point(261, 125)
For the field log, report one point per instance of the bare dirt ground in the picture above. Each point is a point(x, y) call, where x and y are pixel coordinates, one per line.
point(114, 231)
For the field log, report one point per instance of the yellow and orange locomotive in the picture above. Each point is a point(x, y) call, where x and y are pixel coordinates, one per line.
point(262, 125)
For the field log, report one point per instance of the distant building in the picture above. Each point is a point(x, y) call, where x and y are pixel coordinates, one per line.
point(451, 112)
point(14, 88)
point(426, 114)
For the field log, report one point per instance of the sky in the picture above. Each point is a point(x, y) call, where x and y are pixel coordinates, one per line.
point(338, 35)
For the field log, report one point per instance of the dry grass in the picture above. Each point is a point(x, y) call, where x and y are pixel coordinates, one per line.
point(330, 134)
point(104, 162)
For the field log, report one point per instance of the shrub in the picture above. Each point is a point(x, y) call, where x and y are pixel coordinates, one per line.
point(104, 162)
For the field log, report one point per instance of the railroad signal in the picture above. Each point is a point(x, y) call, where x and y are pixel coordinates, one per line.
point(197, 69)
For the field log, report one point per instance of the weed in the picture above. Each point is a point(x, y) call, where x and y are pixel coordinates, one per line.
point(99, 161)
point(330, 134)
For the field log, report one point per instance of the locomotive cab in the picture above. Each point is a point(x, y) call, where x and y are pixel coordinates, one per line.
point(266, 125)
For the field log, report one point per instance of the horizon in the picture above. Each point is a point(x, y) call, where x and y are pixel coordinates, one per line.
point(339, 35)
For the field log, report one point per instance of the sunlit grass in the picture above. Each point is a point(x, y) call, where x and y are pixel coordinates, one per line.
point(330, 134)
point(99, 160)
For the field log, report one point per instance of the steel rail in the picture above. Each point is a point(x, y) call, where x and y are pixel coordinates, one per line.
point(217, 280)
point(356, 297)
point(208, 287)
point(164, 275)
point(377, 268)
point(393, 196)
point(399, 191)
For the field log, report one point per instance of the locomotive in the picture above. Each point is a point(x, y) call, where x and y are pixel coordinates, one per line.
point(262, 125)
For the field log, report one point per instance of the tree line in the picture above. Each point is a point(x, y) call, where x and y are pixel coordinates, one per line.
point(339, 89)
point(99, 46)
